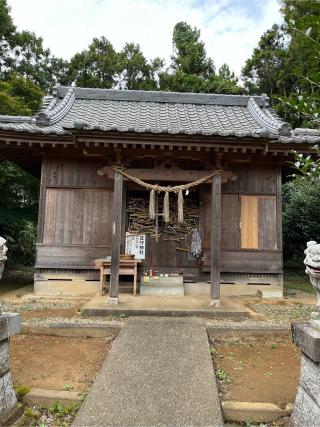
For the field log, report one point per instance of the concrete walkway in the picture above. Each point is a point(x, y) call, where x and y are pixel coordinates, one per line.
point(156, 305)
point(158, 373)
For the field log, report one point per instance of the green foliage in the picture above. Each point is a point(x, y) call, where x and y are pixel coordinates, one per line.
point(135, 72)
point(264, 71)
point(21, 391)
point(95, 67)
point(18, 212)
point(306, 166)
point(301, 213)
point(19, 96)
point(223, 376)
point(285, 65)
point(57, 415)
point(190, 56)
point(63, 414)
point(191, 70)
point(297, 280)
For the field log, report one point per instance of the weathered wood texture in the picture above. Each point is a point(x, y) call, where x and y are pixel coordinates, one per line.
point(251, 214)
point(116, 235)
point(75, 223)
point(77, 217)
point(70, 256)
point(76, 213)
point(75, 173)
point(162, 254)
point(215, 237)
point(252, 179)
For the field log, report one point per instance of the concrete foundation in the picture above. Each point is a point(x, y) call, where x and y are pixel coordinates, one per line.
point(306, 411)
point(9, 324)
point(88, 288)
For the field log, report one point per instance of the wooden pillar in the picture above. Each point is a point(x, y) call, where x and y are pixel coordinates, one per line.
point(279, 218)
point(215, 239)
point(116, 238)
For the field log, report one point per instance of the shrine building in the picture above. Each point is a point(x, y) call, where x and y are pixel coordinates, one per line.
point(181, 190)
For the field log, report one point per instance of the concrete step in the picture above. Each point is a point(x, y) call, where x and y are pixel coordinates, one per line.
point(270, 292)
point(164, 280)
point(162, 289)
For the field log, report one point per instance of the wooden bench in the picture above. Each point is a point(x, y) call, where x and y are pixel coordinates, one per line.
point(126, 268)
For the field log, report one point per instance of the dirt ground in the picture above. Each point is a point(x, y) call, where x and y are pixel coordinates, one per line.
point(260, 369)
point(41, 361)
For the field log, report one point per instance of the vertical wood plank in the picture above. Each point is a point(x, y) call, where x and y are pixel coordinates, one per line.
point(230, 221)
point(249, 222)
point(50, 216)
point(215, 237)
point(78, 214)
point(96, 217)
point(116, 235)
point(279, 213)
point(123, 216)
point(42, 200)
point(267, 222)
point(68, 219)
point(87, 219)
point(60, 217)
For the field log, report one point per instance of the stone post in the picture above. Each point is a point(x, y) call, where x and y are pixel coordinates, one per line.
point(306, 336)
point(9, 325)
point(3, 252)
point(306, 411)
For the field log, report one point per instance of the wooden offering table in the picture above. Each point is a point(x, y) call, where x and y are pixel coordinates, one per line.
point(128, 267)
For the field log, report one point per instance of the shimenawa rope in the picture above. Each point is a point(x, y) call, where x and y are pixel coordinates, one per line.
point(166, 189)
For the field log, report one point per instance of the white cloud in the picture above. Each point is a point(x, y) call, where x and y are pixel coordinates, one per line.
point(228, 27)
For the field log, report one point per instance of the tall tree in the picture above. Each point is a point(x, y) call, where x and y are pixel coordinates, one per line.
point(264, 71)
point(135, 71)
point(286, 62)
point(22, 53)
point(191, 70)
point(6, 30)
point(95, 67)
point(19, 96)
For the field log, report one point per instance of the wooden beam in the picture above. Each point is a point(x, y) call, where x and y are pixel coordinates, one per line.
point(116, 238)
point(42, 201)
point(178, 175)
point(279, 209)
point(215, 239)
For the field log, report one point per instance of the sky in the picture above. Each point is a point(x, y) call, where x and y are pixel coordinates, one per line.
point(230, 29)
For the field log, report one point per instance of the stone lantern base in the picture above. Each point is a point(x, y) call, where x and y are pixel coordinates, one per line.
point(9, 325)
point(306, 411)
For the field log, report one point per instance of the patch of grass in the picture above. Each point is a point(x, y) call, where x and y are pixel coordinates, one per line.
point(56, 415)
point(67, 387)
point(223, 376)
point(21, 391)
point(297, 280)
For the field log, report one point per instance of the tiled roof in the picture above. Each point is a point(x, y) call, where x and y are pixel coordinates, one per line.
point(157, 112)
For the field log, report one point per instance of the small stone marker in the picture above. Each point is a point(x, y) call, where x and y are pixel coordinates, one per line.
point(307, 337)
point(9, 325)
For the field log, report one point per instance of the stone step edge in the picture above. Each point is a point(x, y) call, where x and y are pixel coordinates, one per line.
point(46, 398)
point(254, 411)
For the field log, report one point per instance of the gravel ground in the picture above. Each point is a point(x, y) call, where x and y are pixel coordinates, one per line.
point(35, 306)
point(80, 321)
point(284, 313)
point(246, 323)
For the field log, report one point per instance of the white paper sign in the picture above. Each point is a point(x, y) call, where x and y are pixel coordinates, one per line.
point(136, 245)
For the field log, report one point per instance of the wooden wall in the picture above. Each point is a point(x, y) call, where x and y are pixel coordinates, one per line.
point(75, 220)
point(251, 221)
point(76, 207)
